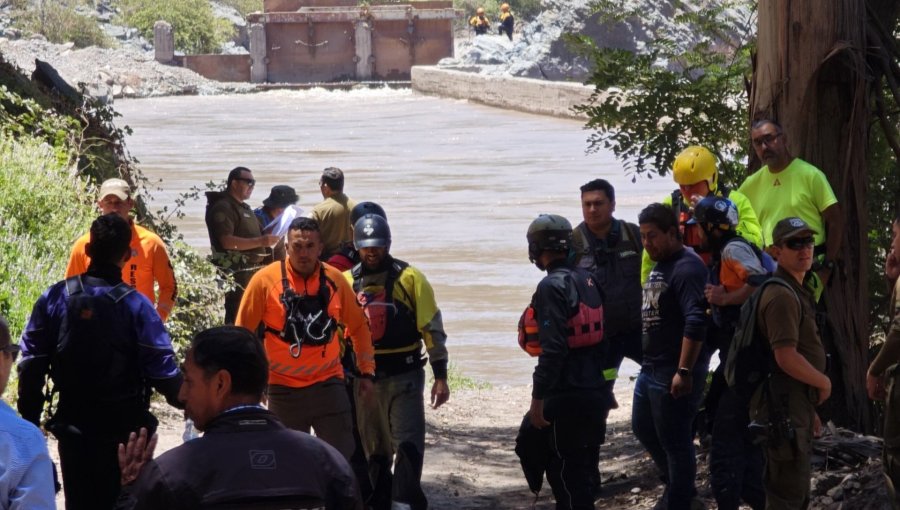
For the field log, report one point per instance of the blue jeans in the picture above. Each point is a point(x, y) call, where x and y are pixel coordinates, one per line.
point(393, 423)
point(664, 426)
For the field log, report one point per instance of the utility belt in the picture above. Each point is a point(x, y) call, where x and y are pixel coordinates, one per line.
point(395, 363)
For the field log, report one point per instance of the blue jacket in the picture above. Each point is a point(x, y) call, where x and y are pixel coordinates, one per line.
point(26, 474)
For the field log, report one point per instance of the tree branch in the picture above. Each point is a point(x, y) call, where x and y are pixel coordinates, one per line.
point(889, 134)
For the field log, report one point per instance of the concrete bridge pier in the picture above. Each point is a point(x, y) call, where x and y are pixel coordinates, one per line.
point(364, 58)
point(258, 60)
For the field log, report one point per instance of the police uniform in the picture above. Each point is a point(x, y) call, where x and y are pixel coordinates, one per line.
point(333, 216)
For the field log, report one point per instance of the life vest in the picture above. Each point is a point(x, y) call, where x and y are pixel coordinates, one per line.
point(306, 318)
point(392, 323)
point(96, 357)
point(583, 329)
point(690, 234)
point(617, 272)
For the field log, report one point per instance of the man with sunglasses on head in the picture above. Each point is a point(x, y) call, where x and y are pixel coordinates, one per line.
point(149, 262)
point(786, 402)
point(238, 244)
point(26, 472)
point(788, 186)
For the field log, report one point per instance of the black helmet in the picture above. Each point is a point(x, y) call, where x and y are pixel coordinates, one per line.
point(363, 208)
point(549, 232)
point(370, 231)
point(715, 212)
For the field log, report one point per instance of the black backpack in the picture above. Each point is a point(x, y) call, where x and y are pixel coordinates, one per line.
point(750, 359)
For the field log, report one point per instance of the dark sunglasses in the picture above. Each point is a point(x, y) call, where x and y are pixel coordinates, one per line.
point(13, 350)
point(800, 243)
point(251, 182)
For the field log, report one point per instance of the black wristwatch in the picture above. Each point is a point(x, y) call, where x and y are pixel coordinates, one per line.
point(684, 372)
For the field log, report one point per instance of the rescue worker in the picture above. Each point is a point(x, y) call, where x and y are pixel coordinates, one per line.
point(149, 263)
point(480, 22)
point(301, 301)
point(569, 398)
point(403, 316)
point(507, 21)
point(695, 171)
point(610, 249)
point(280, 198)
point(883, 376)
point(348, 256)
point(333, 213)
point(225, 374)
point(238, 245)
point(786, 401)
point(103, 346)
point(738, 268)
point(675, 360)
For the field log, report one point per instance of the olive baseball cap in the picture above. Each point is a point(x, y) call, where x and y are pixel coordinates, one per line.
point(790, 228)
point(116, 187)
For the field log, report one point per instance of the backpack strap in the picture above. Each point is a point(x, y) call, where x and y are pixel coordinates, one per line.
point(119, 292)
point(74, 285)
point(632, 234)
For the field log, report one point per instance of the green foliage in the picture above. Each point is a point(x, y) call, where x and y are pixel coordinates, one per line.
point(244, 7)
point(59, 23)
point(883, 199)
point(649, 106)
point(23, 117)
point(42, 211)
point(196, 29)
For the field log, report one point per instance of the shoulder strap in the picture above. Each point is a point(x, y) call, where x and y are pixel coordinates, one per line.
point(631, 234)
point(119, 292)
point(677, 200)
point(724, 190)
point(74, 285)
point(393, 277)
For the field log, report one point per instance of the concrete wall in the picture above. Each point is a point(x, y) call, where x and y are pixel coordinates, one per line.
point(219, 67)
point(522, 94)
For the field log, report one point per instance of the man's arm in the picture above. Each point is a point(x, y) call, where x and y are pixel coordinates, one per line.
point(551, 305)
point(37, 346)
point(233, 242)
point(156, 356)
point(688, 281)
point(35, 489)
point(165, 277)
point(889, 354)
point(431, 324)
point(354, 320)
point(795, 365)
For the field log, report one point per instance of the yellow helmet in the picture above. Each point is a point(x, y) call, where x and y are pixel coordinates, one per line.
point(479, 10)
point(693, 165)
point(504, 7)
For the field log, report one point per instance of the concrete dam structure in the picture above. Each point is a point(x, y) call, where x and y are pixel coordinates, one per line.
point(321, 41)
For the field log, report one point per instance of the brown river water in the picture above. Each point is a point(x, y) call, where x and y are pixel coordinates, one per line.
point(460, 183)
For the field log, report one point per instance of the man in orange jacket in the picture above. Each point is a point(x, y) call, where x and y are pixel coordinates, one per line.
point(301, 301)
point(149, 261)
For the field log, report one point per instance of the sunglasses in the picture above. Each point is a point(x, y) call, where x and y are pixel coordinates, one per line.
point(13, 350)
point(251, 182)
point(800, 243)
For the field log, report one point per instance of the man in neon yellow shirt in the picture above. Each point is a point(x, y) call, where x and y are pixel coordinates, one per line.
point(787, 186)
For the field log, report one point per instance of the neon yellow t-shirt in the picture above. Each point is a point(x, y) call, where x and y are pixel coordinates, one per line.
point(800, 190)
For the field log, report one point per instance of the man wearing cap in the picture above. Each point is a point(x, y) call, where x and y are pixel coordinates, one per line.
point(278, 200)
point(26, 476)
point(149, 262)
point(333, 213)
point(238, 244)
point(786, 318)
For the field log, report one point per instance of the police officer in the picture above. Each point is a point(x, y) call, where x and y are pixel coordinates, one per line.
point(104, 346)
point(403, 317)
point(569, 396)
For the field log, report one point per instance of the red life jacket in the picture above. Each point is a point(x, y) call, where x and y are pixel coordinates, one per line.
point(585, 326)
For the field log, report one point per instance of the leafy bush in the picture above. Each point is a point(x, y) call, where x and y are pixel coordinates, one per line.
point(59, 23)
point(196, 29)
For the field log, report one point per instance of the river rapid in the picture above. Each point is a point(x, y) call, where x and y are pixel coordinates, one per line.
point(460, 183)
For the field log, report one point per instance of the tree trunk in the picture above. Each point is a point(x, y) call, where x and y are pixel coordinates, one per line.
point(810, 75)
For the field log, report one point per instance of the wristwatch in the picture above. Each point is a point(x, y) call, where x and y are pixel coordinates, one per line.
point(684, 372)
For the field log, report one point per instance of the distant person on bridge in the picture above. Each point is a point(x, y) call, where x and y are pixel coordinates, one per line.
point(280, 198)
point(149, 261)
point(238, 244)
point(333, 213)
point(507, 22)
point(480, 22)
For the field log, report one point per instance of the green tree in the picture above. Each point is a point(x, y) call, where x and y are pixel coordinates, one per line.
point(196, 29)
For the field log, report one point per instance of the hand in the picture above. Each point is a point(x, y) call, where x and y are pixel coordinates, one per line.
point(270, 240)
point(892, 266)
point(875, 386)
point(824, 391)
point(536, 414)
point(715, 294)
point(135, 454)
point(681, 386)
point(440, 393)
point(817, 426)
point(366, 388)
